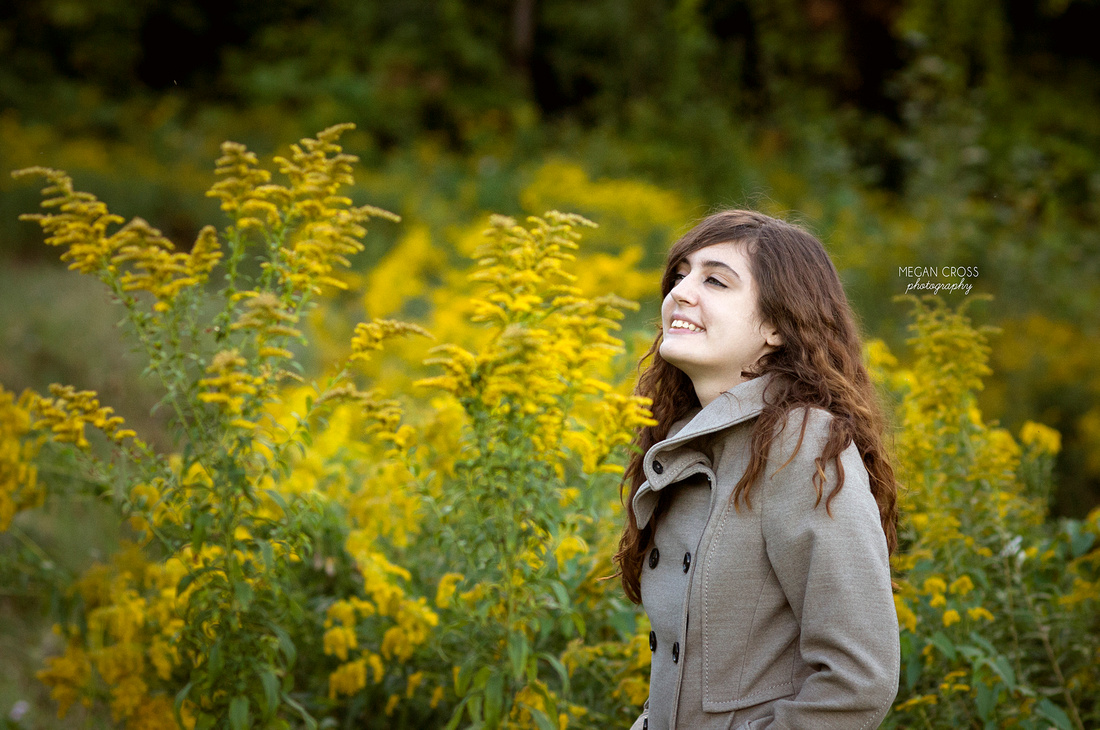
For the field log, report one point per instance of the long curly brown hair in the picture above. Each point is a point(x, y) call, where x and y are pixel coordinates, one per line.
point(820, 363)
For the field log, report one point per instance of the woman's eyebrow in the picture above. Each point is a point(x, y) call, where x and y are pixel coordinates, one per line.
point(721, 265)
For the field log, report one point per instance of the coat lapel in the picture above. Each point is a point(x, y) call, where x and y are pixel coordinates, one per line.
point(672, 459)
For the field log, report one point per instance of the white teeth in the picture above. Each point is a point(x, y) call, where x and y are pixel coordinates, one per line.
point(681, 324)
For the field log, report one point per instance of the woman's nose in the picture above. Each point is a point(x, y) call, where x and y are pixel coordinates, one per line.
point(684, 291)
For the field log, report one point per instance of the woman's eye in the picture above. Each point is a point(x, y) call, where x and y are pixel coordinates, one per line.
point(712, 280)
point(676, 278)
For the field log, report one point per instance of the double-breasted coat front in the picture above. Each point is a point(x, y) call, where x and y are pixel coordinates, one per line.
point(774, 615)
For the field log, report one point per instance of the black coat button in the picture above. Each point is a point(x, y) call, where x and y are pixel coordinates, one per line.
point(652, 641)
point(676, 652)
point(645, 724)
point(687, 561)
point(657, 468)
point(654, 556)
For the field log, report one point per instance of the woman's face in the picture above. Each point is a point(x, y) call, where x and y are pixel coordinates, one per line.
point(710, 319)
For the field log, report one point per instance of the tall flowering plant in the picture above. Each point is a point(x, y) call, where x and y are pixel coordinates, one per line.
point(997, 605)
point(198, 628)
point(516, 512)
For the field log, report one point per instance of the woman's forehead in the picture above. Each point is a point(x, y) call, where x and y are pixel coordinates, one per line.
point(729, 253)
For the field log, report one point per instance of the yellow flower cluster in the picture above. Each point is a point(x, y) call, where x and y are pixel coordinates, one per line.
point(229, 385)
point(548, 340)
point(267, 316)
point(68, 411)
point(137, 257)
point(369, 336)
point(81, 225)
point(132, 626)
point(1043, 439)
point(321, 226)
point(19, 485)
point(156, 268)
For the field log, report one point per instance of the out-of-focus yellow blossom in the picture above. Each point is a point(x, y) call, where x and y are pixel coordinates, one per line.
point(961, 585)
point(1043, 439)
point(916, 702)
point(906, 618)
point(403, 273)
point(338, 640)
point(951, 616)
point(67, 677)
point(412, 683)
point(446, 590)
point(19, 485)
point(978, 612)
point(348, 679)
point(935, 584)
point(392, 703)
point(569, 547)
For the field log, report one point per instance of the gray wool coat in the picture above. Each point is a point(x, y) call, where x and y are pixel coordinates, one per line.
point(777, 616)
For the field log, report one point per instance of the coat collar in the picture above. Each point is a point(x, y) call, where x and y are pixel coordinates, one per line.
point(667, 462)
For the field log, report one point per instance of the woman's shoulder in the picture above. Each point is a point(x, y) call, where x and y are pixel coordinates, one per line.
point(801, 426)
point(800, 440)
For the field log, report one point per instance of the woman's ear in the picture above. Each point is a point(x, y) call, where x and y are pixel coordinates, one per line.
point(772, 337)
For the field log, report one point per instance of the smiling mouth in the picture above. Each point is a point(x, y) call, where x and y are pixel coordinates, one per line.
point(679, 324)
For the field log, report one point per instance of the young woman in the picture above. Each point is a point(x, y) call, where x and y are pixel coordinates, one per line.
point(761, 513)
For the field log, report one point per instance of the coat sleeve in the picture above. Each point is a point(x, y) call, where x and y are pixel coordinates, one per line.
point(835, 572)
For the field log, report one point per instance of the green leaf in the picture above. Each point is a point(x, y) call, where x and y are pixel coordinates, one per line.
point(462, 681)
point(181, 696)
point(544, 722)
point(308, 718)
point(986, 700)
point(1003, 670)
point(494, 699)
point(268, 555)
point(563, 673)
point(517, 652)
point(198, 531)
point(238, 713)
point(560, 593)
point(271, 691)
point(286, 646)
point(1055, 714)
point(456, 716)
point(1079, 540)
point(944, 644)
point(244, 593)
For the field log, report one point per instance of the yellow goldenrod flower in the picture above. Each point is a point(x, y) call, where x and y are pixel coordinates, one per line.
point(69, 410)
point(906, 618)
point(347, 679)
point(412, 683)
point(1043, 439)
point(979, 612)
point(19, 486)
point(935, 584)
point(446, 590)
point(962, 585)
point(951, 616)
